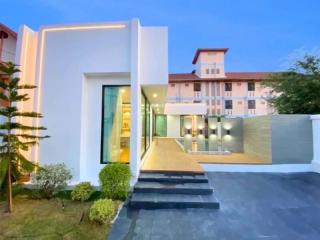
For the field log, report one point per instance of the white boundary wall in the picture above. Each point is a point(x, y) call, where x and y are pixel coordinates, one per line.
point(316, 142)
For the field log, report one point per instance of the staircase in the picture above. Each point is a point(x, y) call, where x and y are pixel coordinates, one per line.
point(172, 190)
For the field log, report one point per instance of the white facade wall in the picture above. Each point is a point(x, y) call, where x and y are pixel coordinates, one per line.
point(154, 54)
point(73, 62)
point(316, 142)
point(173, 126)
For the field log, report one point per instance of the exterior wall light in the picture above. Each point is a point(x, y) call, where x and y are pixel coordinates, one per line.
point(228, 132)
point(188, 131)
point(201, 131)
point(213, 131)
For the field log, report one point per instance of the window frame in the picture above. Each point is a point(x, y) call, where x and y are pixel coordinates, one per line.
point(251, 89)
point(228, 87)
point(250, 105)
point(102, 118)
point(195, 89)
point(225, 104)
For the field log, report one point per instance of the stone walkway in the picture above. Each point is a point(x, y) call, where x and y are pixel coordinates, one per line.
point(253, 206)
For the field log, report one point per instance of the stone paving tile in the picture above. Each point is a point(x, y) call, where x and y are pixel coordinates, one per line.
point(253, 206)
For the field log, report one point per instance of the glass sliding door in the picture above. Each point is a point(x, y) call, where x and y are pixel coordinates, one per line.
point(145, 124)
point(161, 125)
point(116, 119)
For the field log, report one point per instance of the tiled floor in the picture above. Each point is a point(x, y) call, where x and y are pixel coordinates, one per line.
point(253, 206)
point(168, 156)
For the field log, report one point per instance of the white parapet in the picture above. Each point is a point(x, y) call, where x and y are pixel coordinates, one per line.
point(316, 142)
point(185, 109)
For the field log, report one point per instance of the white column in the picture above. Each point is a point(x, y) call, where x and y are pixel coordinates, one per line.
point(135, 138)
point(316, 142)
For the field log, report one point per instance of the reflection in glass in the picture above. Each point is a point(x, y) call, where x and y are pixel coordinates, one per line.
point(116, 124)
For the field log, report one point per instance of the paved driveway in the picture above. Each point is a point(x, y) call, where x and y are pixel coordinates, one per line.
point(253, 206)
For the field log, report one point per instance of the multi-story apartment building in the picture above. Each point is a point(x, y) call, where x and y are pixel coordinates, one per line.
point(8, 41)
point(235, 94)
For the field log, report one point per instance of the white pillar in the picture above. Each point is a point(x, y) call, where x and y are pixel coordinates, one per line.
point(316, 142)
point(135, 138)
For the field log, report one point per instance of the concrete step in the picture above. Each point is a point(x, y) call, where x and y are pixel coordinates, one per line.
point(170, 201)
point(173, 188)
point(173, 178)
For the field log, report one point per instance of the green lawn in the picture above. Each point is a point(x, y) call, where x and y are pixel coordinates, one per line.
point(45, 219)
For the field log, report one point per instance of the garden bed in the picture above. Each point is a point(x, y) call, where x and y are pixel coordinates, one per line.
point(46, 219)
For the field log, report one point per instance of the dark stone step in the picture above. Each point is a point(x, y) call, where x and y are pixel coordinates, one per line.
point(172, 178)
point(170, 201)
point(173, 188)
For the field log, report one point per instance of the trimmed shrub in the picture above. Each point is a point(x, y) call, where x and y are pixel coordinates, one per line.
point(51, 178)
point(115, 181)
point(102, 211)
point(82, 191)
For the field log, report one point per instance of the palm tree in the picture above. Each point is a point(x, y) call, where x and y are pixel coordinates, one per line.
point(16, 137)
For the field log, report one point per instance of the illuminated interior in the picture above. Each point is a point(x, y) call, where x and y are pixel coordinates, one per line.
point(116, 124)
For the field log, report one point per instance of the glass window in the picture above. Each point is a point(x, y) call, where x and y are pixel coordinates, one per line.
point(228, 104)
point(197, 87)
point(161, 125)
point(147, 124)
point(207, 71)
point(143, 124)
point(228, 87)
point(218, 70)
point(251, 104)
point(116, 119)
point(251, 86)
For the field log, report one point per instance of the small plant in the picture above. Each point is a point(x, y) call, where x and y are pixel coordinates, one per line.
point(51, 178)
point(102, 211)
point(115, 180)
point(82, 192)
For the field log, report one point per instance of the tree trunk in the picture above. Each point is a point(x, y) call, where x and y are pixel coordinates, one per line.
point(9, 189)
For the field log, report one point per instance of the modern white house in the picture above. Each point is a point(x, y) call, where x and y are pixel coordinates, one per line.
point(105, 95)
point(96, 85)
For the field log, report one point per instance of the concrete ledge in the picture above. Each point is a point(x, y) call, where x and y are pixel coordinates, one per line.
point(316, 166)
point(315, 117)
point(279, 168)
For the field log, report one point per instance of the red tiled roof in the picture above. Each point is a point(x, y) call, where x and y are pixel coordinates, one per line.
point(8, 30)
point(184, 77)
point(200, 50)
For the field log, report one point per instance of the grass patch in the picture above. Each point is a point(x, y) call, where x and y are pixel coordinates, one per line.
point(45, 219)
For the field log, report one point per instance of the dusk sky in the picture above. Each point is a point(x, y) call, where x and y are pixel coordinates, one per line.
point(262, 35)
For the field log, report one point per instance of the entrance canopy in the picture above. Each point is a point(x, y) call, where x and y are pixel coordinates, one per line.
point(185, 108)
